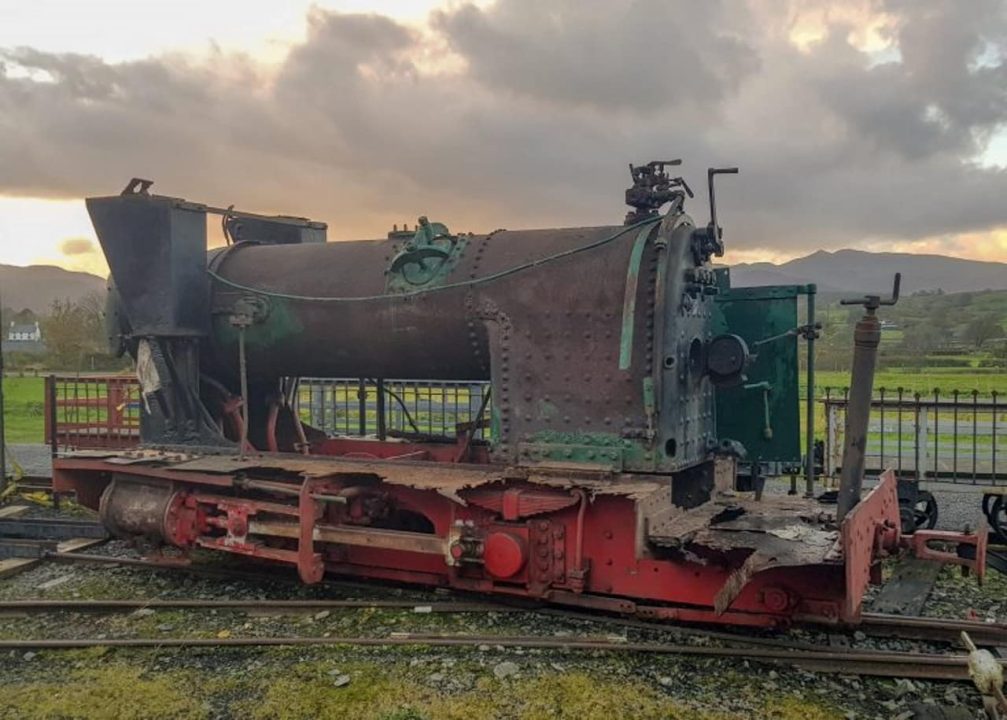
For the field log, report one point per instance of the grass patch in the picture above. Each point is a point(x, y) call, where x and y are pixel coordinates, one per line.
point(24, 409)
point(924, 381)
point(111, 692)
point(306, 694)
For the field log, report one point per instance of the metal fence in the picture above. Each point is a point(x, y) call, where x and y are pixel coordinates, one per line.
point(342, 406)
point(100, 411)
point(956, 436)
point(950, 435)
point(103, 411)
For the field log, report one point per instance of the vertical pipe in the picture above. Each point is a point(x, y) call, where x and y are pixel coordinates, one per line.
point(362, 406)
point(381, 409)
point(866, 338)
point(809, 447)
point(243, 371)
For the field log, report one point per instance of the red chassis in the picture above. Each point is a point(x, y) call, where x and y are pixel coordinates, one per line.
point(568, 535)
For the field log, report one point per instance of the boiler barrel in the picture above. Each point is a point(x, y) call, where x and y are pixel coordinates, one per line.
point(325, 310)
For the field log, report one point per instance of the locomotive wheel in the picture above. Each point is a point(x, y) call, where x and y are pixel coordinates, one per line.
point(987, 503)
point(920, 515)
point(925, 511)
point(998, 518)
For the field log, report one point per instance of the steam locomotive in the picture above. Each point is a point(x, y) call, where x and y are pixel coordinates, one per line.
point(627, 382)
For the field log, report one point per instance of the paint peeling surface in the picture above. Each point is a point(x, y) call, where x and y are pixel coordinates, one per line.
point(417, 474)
point(780, 531)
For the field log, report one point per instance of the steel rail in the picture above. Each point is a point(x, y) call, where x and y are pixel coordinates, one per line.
point(933, 629)
point(883, 664)
point(104, 605)
point(43, 605)
point(873, 624)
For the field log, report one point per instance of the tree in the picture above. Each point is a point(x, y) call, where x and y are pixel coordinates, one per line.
point(922, 338)
point(73, 331)
point(982, 329)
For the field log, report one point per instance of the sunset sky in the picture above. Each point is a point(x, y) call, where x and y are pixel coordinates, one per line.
point(875, 124)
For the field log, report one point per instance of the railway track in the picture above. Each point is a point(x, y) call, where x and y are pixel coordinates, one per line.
point(933, 630)
point(936, 665)
point(928, 666)
point(876, 624)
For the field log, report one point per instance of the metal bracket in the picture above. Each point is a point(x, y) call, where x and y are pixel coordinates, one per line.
point(137, 186)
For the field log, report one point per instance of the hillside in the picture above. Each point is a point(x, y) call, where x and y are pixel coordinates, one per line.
point(858, 272)
point(841, 272)
point(36, 286)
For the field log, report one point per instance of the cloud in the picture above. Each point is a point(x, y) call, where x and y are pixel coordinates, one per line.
point(77, 246)
point(643, 55)
point(519, 115)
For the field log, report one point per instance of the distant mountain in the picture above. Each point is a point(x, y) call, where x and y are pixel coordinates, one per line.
point(858, 272)
point(841, 272)
point(36, 286)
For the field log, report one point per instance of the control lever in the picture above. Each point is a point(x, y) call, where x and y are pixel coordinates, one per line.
point(873, 302)
point(710, 240)
point(866, 338)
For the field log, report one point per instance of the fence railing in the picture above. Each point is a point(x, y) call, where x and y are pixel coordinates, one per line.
point(92, 411)
point(99, 412)
point(954, 435)
point(341, 406)
point(950, 435)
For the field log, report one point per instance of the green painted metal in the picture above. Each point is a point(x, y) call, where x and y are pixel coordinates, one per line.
point(629, 301)
point(271, 325)
point(608, 458)
point(763, 414)
point(425, 259)
point(649, 403)
point(607, 450)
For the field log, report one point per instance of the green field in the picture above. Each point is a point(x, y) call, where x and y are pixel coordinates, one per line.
point(24, 409)
point(25, 406)
point(947, 379)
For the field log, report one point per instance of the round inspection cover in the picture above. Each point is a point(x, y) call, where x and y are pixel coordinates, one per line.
point(504, 554)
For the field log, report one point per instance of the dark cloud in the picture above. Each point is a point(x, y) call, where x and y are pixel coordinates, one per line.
point(77, 246)
point(521, 114)
point(642, 55)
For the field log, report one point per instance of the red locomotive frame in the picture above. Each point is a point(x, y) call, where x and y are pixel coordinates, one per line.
point(566, 536)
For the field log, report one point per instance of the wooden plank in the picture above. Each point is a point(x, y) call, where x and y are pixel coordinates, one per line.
point(908, 589)
point(77, 544)
point(13, 566)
